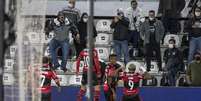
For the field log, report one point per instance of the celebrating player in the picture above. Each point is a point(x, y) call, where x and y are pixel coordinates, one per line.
point(46, 76)
point(112, 76)
point(131, 81)
point(96, 74)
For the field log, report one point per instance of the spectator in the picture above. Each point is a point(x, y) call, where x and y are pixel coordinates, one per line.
point(61, 27)
point(134, 14)
point(82, 27)
point(170, 11)
point(71, 12)
point(152, 31)
point(194, 71)
point(120, 25)
point(193, 27)
point(174, 62)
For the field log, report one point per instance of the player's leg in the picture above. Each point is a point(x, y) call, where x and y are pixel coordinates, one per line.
point(136, 98)
point(82, 91)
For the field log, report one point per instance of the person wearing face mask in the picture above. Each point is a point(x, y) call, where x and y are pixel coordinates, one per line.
point(152, 31)
point(71, 12)
point(134, 14)
point(173, 62)
point(120, 25)
point(82, 28)
point(193, 28)
point(194, 70)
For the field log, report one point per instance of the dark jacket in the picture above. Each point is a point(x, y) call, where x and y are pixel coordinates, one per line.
point(192, 28)
point(82, 27)
point(145, 33)
point(173, 57)
point(62, 30)
point(120, 29)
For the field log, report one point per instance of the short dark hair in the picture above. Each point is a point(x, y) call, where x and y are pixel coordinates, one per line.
point(173, 40)
point(133, 1)
point(46, 59)
point(112, 55)
point(151, 11)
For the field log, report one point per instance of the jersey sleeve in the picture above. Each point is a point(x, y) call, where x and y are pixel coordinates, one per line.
point(78, 62)
point(54, 75)
point(97, 63)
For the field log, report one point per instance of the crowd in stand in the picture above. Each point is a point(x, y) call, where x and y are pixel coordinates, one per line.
point(130, 27)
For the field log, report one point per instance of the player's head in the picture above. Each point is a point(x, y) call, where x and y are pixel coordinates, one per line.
point(60, 16)
point(131, 68)
point(134, 4)
point(46, 60)
point(113, 58)
point(71, 3)
point(172, 43)
point(197, 56)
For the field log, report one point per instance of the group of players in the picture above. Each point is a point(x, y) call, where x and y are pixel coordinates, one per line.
point(106, 74)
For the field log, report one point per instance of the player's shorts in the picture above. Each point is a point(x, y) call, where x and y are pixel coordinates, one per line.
point(112, 82)
point(45, 96)
point(131, 98)
point(95, 80)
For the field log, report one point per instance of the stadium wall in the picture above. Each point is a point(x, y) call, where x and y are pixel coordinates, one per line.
point(147, 94)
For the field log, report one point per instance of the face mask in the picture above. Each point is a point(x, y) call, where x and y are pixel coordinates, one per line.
point(171, 46)
point(197, 13)
point(85, 19)
point(70, 5)
point(151, 18)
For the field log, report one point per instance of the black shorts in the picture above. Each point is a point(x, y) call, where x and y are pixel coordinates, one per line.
point(46, 97)
point(95, 80)
point(131, 98)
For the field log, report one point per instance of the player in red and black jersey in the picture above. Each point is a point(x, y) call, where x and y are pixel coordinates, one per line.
point(46, 75)
point(112, 72)
point(96, 74)
point(131, 81)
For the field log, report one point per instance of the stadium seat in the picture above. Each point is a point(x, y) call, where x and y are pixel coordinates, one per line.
point(8, 79)
point(103, 52)
point(154, 67)
point(137, 64)
point(34, 37)
point(47, 51)
point(103, 26)
point(102, 39)
point(172, 36)
point(63, 80)
point(49, 37)
point(8, 66)
point(13, 49)
point(74, 66)
point(75, 80)
point(151, 82)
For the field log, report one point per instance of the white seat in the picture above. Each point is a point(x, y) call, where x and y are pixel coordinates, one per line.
point(137, 64)
point(102, 39)
point(172, 36)
point(63, 80)
point(103, 26)
point(47, 51)
point(13, 49)
point(8, 64)
point(49, 37)
point(154, 67)
point(75, 80)
point(8, 79)
point(75, 64)
point(34, 37)
point(103, 52)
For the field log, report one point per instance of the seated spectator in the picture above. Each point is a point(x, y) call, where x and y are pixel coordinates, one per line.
point(193, 27)
point(194, 71)
point(151, 31)
point(174, 62)
point(82, 27)
point(61, 27)
point(120, 25)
